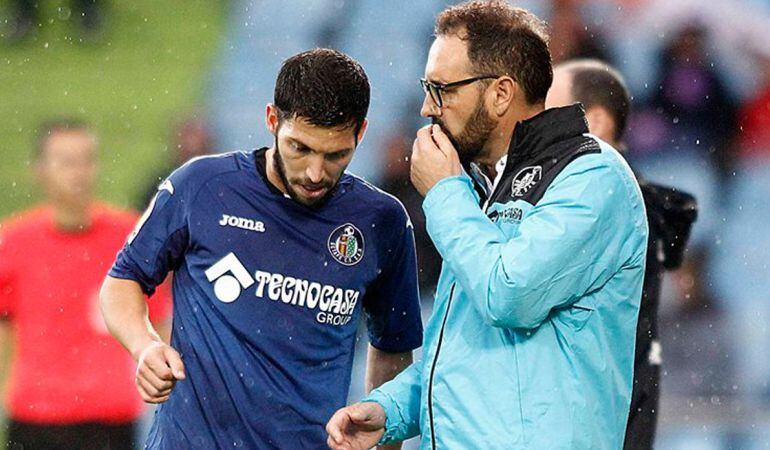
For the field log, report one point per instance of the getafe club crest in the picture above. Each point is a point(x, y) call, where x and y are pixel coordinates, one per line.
point(525, 180)
point(346, 244)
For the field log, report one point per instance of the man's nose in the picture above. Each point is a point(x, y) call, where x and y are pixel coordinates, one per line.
point(315, 169)
point(429, 108)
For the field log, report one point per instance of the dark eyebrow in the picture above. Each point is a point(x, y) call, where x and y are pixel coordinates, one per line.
point(303, 145)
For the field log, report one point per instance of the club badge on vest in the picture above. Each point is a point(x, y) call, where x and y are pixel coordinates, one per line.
point(525, 180)
point(346, 244)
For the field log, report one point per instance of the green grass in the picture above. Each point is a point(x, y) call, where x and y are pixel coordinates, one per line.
point(147, 69)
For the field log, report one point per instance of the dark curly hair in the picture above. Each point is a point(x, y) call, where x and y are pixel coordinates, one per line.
point(324, 87)
point(503, 40)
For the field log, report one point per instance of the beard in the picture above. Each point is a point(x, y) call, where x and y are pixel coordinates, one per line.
point(280, 168)
point(475, 134)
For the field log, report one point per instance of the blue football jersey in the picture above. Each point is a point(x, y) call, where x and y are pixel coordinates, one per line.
point(267, 297)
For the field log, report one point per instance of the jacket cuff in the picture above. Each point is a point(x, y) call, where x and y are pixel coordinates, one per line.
point(395, 423)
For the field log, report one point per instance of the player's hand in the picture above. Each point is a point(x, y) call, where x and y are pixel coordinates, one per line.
point(356, 427)
point(433, 158)
point(158, 368)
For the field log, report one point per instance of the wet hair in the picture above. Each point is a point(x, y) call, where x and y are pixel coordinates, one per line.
point(502, 40)
point(596, 83)
point(324, 87)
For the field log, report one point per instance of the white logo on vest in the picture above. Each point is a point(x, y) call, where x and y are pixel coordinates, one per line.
point(525, 180)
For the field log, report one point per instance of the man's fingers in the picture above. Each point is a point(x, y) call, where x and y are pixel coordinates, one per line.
point(158, 369)
point(337, 445)
point(161, 399)
point(368, 415)
point(157, 400)
point(360, 414)
point(156, 363)
point(442, 140)
point(154, 380)
point(424, 132)
point(336, 424)
point(149, 394)
point(425, 139)
point(174, 361)
point(147, 388)
point(154, 359)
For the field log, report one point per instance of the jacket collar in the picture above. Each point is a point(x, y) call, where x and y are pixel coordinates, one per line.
point(534, 136)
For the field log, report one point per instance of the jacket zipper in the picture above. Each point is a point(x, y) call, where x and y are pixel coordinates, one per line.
point(484, 207)
point(433, 369)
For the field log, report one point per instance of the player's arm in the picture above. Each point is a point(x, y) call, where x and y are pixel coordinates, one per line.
point(159, 366)
point(125, 312)
point(382, 367)
point(155, 247)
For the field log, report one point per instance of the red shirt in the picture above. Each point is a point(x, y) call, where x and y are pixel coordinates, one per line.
point(67, 368)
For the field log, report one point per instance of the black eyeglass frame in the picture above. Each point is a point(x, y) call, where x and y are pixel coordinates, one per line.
point(434, 89)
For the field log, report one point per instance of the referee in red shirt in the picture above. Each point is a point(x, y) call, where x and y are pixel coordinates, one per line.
point(71, 385)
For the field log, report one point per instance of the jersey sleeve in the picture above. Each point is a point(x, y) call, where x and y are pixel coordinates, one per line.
point(7, 292)
point(160, 237)
point(392, 304)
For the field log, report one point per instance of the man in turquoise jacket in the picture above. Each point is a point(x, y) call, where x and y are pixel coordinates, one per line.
point(543, 234)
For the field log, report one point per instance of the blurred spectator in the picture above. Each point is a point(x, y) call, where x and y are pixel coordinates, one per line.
point(692, 97)
point(741, 272)
point(573, 37)
point(26, 16)
point(71, 385)
point(191, 138)
point(395, 180)
point(683, 135)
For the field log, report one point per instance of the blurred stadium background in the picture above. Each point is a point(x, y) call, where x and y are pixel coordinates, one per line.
point(699, 72)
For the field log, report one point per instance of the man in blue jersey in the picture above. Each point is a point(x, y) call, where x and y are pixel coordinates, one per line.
point(275, 254)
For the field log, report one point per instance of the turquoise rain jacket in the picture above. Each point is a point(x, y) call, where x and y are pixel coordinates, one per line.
point(531, 341)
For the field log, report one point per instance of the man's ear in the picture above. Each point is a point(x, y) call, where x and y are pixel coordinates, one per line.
point(600, 123)
point(505, 93)
point(362, 131)
point(271, 118)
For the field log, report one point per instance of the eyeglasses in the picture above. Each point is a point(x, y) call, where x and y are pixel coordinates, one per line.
point(435, 89)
